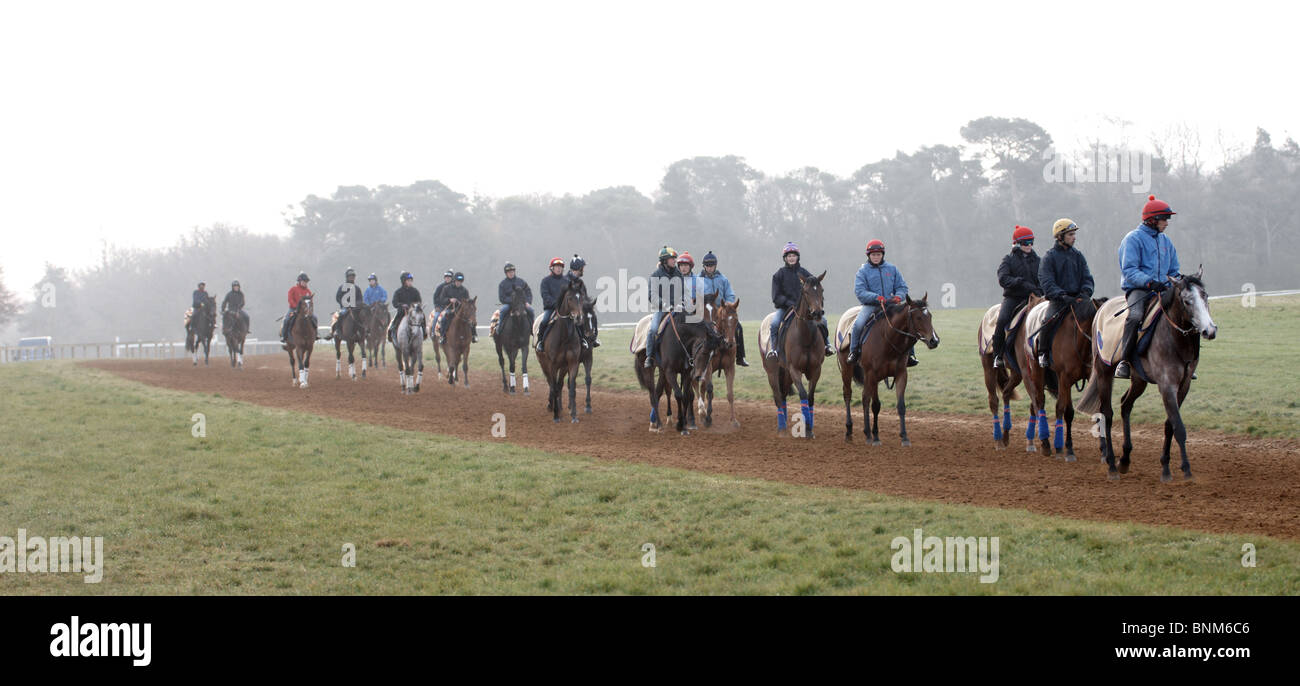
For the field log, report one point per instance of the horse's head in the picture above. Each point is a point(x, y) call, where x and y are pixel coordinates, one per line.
point(920, 322)
point(305, 306)
point(570, 303)
point(589, 316)
point(518, 302)
point(469, 312)
point(415, 314)
point(1189, 291)
point(812, 299)
point(727, 318)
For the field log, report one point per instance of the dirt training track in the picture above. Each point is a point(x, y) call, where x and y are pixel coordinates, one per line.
point(1242, 485)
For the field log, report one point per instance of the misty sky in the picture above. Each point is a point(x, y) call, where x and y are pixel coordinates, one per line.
point(133, 122)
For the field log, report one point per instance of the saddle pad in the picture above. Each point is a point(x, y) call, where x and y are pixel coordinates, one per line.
point(1110, 328)
point(537, 324)
point(492, 323)
point(844, 329)
point(765, 334)
point(1034, 320)
point(334, 319)
point(639, 335)
point(990, 322)
point(188, 313)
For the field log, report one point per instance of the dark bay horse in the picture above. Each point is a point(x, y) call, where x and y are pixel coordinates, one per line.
point(301, 341)
point(683, 359)
point(803, 350)
point(353, 327)
point(1169, 362)
point(377, 320)
point(1002, 382)
point(590, 328)
point(723, 362)
point(460, 322)
point(884, 355)
point(201, 329)
point(1071, 362)
point(563, 350)
point(235, 331)
point(513, 335)
point(1017, 357)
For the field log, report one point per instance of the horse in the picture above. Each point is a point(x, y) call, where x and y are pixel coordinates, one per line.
point(376, 344)
point(301, 341)
point(1071, 362)
point(590, 328)
point(353, 328)
point(513, 335)
point(201, 329)
point(804, 350)
point(461, 320)
point(727, 319)
point(408, 349)
point(1169, 362)
point(563, 350)
point(1002, 381)
point(1017, 357)
point(235, 330)
point(884, 354)
point(684, 359)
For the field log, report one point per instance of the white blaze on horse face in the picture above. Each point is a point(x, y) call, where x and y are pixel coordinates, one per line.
point(1200, 306)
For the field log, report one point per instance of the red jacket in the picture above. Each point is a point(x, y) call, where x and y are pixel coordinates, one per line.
point(297, 293)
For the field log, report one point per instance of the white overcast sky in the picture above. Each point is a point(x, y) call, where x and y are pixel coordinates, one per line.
point(134, 122)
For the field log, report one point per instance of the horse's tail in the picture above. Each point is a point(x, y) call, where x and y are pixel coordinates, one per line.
point(858, 377)
point(644, 376)
point(1090, 402)
point(1003, 378)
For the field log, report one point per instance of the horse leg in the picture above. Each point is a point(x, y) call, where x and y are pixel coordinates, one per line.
point(464, 367)
point(587, 372)
point(1173, 397)
point(501, 362)
point(338, 356)
point(846, 376)
point(364, 359)
point(523, 369)
point(680, 396)
point(419, 366)
point(573, 392)
point(1062, 402)
point(778, 399)
point(875, 414)
point(990, 387)
point(293, 369)
point(1135, 389)
point(900, 388)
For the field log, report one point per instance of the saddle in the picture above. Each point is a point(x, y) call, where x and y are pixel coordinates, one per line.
point(640, 335)
point(765, 332)
point(990, 323)
point(844, 328)
point(1034, 320)
point(1109, 329)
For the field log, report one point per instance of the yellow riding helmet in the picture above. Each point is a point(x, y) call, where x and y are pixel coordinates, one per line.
point(1063, 225)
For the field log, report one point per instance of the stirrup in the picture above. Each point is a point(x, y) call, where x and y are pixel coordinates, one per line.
point(997, 361)
point(1042, 360)
point(853, 357)
point(649, 362)
point(771, 354)
point(1123, 370)
point(912, 361)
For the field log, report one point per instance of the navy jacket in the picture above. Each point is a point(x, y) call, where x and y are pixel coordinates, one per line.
point(198, 297)
point(234, 301)
point(551, 288)
point(786, 287)
point(1063, 273)
point(357, 296)
point(505, 290)
point(666, 295)
point(1018, 274)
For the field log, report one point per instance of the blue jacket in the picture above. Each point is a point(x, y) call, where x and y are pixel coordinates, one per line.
point(1063, 274)
point(717, 284)
point(875, 281)
point(375, 294)
point(1146, 255)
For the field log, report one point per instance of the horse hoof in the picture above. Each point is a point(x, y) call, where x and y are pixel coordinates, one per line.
point(1069, 457)
point(526, 392)
point(588, 410)
point(573, 421)
point(907, 443)
point(686, 432)
point(654, 429)
point(1188, 477)
point(875, 441)
point(848, 440)
point(1113, 476)
point(1031, 449)
point(735, 423)
point(1166, 478)
point(1123, 467)
point(556, 420)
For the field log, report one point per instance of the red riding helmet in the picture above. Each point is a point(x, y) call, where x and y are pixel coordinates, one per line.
point(876, 245)
point(686, 257)
point(1022, 233)
point(1155, 208)
point(555, 261)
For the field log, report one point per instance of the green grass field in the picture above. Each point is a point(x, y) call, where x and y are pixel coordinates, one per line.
point(265, 502)
point(1248, 384)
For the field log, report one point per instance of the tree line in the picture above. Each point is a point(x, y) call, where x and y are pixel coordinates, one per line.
point(945, 213)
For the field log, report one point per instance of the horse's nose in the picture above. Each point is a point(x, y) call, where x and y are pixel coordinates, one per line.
point(933, 342)
point(1211, 332)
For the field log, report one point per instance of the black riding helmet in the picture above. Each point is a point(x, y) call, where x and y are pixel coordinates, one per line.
point(302, 276)
point(576, 263)
point(510, 266)
point(460, 276)
point(449, 273)
point(405, 275)
point(234, 284)
point(350, 274)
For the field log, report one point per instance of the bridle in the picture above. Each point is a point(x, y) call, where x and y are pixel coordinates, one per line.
point(909, 309)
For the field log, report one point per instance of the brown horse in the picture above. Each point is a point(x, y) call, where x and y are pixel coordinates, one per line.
point(1071, 363)
point(723, 362)
point(460, 322)
point(513, 335)
point(884, 355)
point(352, 329)
point(563, 350)
point(1003, 381)
point(235, 329)
point(202, 326)
point(377, 323)
point(301, 341)
point(1169, 362)
point(803, 350)
point(1017, 360)
point(683, 361)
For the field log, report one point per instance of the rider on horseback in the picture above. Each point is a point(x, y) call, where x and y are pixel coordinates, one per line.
point(1147, 259)
point(576, 267)
point(665, 292)
point(505, 293)
point(1065, 279)
point(712, 281)
point(1018, 276)
point(375, 293)
point(199, 298)
point(297, 292)
point(405, 296)
point(553, 285)
point(349, 292)
point(877, 285)
point(234, 302)
point(452, 293)
point(786, 290)
point(440, 300)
